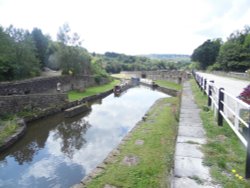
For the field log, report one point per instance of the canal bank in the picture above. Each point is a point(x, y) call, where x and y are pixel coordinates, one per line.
point(66, 149)
point(144, 157)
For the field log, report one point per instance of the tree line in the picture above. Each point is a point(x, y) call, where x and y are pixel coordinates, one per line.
point(115, 62)
point(25, 54)
point(232, 55)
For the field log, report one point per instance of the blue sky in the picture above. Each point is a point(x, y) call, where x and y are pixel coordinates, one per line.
point(132, 26)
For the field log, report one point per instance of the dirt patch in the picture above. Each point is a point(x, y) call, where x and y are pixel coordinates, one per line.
point(130, 160)
point(221, 138)
point(139, 142)
point(109, 186)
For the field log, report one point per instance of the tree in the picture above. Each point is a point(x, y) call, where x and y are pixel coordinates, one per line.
point(26, 63)
point(41, 43)
point(20, 49)
point(72, 57)
point(6, 56)
point(207, 53)
point(234, 54)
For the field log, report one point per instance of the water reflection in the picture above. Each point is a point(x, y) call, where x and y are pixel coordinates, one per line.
point(72, 136)
point(58, 152)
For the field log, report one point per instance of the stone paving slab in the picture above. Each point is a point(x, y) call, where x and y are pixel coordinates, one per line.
point(189, 171)
point(190, 120)
point(188, 150)
point(189, 123)
point(197, 132)
point(190, 117)
point(183, 111)
point(191, 167)
point(185, 139)
point(191, 183)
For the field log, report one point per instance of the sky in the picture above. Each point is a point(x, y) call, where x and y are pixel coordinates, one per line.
point(132, 27)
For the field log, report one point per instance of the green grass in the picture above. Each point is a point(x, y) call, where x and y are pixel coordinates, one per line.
point(7, 128)
point(75, 95)
point(223, 151)
point(155, 156)
point(168, 84)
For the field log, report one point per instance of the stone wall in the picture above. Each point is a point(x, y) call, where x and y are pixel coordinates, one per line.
point(46, 85)
point(16, 103)
point(165, 90)
point(170, 75)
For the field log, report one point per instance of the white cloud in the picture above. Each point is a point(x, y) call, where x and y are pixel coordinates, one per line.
point(132, 26)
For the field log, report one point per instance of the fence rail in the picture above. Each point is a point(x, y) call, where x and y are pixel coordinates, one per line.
point(229, 108)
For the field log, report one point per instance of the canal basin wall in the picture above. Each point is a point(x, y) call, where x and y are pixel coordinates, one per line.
point(46, 85)
point(17, 103)
point(165, 90)
point(45, 113)
point(39, 93)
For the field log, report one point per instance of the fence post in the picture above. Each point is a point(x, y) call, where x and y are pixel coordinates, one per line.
point(205, 86)
point(209, 102)
point(220, 106)
point(248, 152)
point(201, 83)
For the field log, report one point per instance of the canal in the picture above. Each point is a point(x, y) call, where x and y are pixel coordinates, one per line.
point(59, 152)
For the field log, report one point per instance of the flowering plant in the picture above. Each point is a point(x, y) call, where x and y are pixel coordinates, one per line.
point(245, 95)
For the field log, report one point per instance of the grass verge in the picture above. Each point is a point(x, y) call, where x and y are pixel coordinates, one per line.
point(158, 132)
point(75, 95)
point(7, 128)
point(168, 84)
point(224, 153)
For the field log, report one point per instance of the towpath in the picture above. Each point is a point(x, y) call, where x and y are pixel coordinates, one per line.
point(189, 171)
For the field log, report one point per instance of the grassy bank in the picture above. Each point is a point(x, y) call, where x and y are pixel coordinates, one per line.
point(7, 128)
point(154, 154)
point(75, 95)
point(224, 153)
point(171, 85)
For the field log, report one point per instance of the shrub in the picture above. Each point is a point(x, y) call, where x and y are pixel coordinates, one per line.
point(245, 95)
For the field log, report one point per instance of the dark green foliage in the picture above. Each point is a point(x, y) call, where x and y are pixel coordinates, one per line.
point(6, 53)
point(207, 53)
point(115, 63)
point(17, 55)
point(24, 54)
point(41, 43)
point(73, 59)
point(233, 55)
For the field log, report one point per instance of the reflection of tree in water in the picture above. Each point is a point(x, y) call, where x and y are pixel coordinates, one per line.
point(24, 150)
point(72, 135)
point(27, 153)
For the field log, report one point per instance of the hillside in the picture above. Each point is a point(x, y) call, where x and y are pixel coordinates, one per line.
point(168, 56)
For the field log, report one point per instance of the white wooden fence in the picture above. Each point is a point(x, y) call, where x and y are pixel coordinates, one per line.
point(228, 107)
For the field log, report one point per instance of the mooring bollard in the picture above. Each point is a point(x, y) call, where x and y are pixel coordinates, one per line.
point(248, 152)
point(209, 102)
point(220, 106)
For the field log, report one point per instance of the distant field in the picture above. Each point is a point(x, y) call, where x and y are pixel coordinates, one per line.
point(121, 76)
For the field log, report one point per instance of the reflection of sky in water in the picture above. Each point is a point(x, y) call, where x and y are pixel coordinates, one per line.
point(69, 155)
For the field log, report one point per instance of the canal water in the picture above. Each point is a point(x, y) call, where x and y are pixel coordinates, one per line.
point(59, 152)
